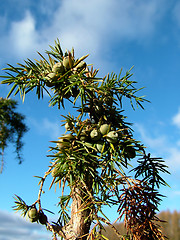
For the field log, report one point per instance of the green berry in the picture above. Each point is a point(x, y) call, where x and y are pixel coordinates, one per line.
point(112, 137)
point(68, 62)
point(95, 135)
point(99, 146)
point(51, 76)
point(104, 128)
point(58, 67)
point(69, 126)
point(42, 218)
point(33, 214)
point(131, 152)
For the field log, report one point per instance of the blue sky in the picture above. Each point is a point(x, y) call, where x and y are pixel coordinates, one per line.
point(117, 34)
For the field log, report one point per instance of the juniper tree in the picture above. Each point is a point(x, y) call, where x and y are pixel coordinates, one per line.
point(93, 156)
point(12, 128)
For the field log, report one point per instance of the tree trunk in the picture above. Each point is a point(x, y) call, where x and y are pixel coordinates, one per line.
point(77, 228)
point(78, 215)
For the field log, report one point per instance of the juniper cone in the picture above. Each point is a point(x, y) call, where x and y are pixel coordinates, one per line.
point(69, 126)
point(104, 128)
point(112, 137)
point(95, 135)
point(131, 152)
point(54, 172)
point(91, 161)
point(33, 220)
point(51, 76)
point(58, 68)
point(33, 214)
point(68, 62)
point(99, 146)
point(42, 218)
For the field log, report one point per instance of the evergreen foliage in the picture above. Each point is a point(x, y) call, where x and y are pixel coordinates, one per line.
point(12, 128)
point(95, 151)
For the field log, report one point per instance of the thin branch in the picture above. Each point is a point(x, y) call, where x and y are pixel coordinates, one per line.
point(112, 226)
point(41, 186)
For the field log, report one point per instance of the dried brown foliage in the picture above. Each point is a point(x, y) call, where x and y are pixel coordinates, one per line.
point(138, 203)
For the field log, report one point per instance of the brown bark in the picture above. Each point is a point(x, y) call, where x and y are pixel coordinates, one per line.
point(77, 228)
point(78, 215)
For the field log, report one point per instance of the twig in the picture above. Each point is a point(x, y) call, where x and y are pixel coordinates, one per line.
point(112, 226)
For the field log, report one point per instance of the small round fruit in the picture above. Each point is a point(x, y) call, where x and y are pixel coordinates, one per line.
point(62, 144)
point(58, 67)
point(95, 135)
point(69, 126)
point(54, 172)
point(33, 220)
point(112, 137)
point(67, 137)
point(32, 213)
point(68, 62)
point(104, 128)
point(99, 146)
point(131, 152)
point(51, 76)
point(42, 218)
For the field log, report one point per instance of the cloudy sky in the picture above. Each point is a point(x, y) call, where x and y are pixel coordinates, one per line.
point(117, 34)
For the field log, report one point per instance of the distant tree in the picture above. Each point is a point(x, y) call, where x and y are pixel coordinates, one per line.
point(91, 157)
point(12, 128)
point(170, 223)
point(166, 216)
point(175, 225)
point(110, 234)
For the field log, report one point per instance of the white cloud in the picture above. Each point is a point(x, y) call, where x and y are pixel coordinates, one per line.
point(176, 119)
point(13, 227)
point(160, 146)
point(52, 127)
point(46, 127)
point(177, 193)
point(152, 142)
point(89, 26)
point(23, 34)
